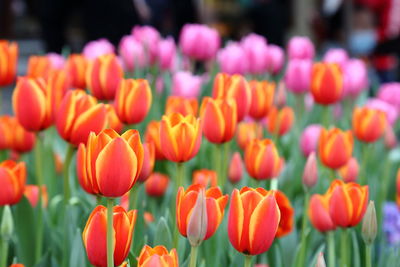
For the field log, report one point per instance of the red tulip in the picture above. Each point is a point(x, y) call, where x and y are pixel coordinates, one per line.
point(12, 182)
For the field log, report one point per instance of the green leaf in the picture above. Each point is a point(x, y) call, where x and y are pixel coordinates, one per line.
point(78, 255)
point(163, 235)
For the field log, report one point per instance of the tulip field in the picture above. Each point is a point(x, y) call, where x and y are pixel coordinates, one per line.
point(201, 152)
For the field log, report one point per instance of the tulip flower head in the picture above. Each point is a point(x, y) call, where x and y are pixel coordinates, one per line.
point(256, 50)
point(152, 135)
point(219, 119)
point(246, 132)
point(97, 48)
point(39, 67)
point(235, 172)
point(349, 172)
point(132, 53)
point(185, 84)
point(182, 105)
point(95, 232)
point(12, 182)
point(309, 139)
point(262, 98)
point(148, 161)
point(199, 212)
point(180, 137)
point(347, 203)
point(275, 58)
point(286, 222)
point(280, 121)
point(335, 147)
point(32, 194)
point(113, 122)
point(166, 53)
point(298, 75)
point(253, 220)
point(157, 184)
point(8, 62)
point(326, 83)
point(369, 225)
point(310, 173)
point(318, 212)
point(300, 47)
point(369, 124)
point(205, 178)
point(97, 159)
point(232, 59)
point(13, 136)
point(157, 257)
point(390, 137)
point(76, 68)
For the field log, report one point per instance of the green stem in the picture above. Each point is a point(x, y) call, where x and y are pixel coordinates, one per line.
point(98, 200)
point(3, 252)
point(225, 162)
point(67, 162)
point(364, 164)
point(332, 174)
point(303, 244)
point(344, 247)
point(247, 261)
point(39, 181)
point(385, 186)
point(133, 196)
point(331, 248)
point(110, 233)
point(180, 173)
point(368, 258)
point(193, 256)
point(218, 154)
point(326, 116)
point(274, 184)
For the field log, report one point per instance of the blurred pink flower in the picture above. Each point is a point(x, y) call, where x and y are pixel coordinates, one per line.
point(390, 110)
point(186, 84)
point(337, 111)
point(132, 53)
point(275, 59)
point(149, 38)
point(167, 53)
point(336, 55)
point(199, 42)
point(309, 139)
point(308, 102)
point(298, 75)
point(255, 47)
point(390, 93)
point(98, 48)
point(301, 48)
point(355, 78)
point(57, 60)
point(232, 59)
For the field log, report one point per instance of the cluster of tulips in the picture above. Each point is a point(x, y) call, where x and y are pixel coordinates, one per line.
point(261, 136)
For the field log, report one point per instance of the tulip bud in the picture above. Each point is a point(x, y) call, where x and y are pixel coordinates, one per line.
point(197, 225)
point(7, 224)
point(390, 137)
point(369, 225)
point(320, 260)
point(349, 172)
point(280, 98)
point(157, 184)
point(235, 168)
point(310, 173)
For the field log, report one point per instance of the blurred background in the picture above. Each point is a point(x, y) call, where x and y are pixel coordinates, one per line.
point(366, 28)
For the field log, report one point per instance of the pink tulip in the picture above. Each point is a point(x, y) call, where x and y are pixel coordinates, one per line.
point(235, 171)
point(186, 84)
point(301, 48)
point(298, 75)
point(97, 48)
point(390, 138)
point(132, 53)
point(57, 60)
point(308, 102)
point(309, 139)
point(349, 172)
point(280, 95)
point(355, 78)
point(390, 110)
point(149, 38)
point(336, 55)
point(199, 42)
point(232, 59)
point(166, 53)
point(275, 59)
point(310, 172)
point(255, 47)
point(390, 93)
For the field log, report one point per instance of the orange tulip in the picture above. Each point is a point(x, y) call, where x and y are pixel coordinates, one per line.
point(17, 265)
point(219, 119)
point(318, 212)
point(246, 132)
point(185, 203)
point(148, 161)
point(133, 100)
point(103, 76)
point(326, 83)
point(262, 98)
point(78, 116)
point(14, 136)
point(349, 172)
point(6, 132)
point(205, 178)
point(398, 188)
point(280, 121)
point(76, 67)
point(262, 159)
point(97, 160)
point(12, 182)
point(253, 220)
point(180, 137)
point(39, 67)
point(8, 62)
point(235, 168)
point(95, 235)
point(112, 119)
point(157, 257)
point(157, 184)
point(369, 124)
point(32, 104)
point(148, 217)
point(348, 203)
point(152, 135)
point(182, 105)
point(335, 147)
point(287, 214)
point(58, 83)
point(32, 194)
point(235, 87)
